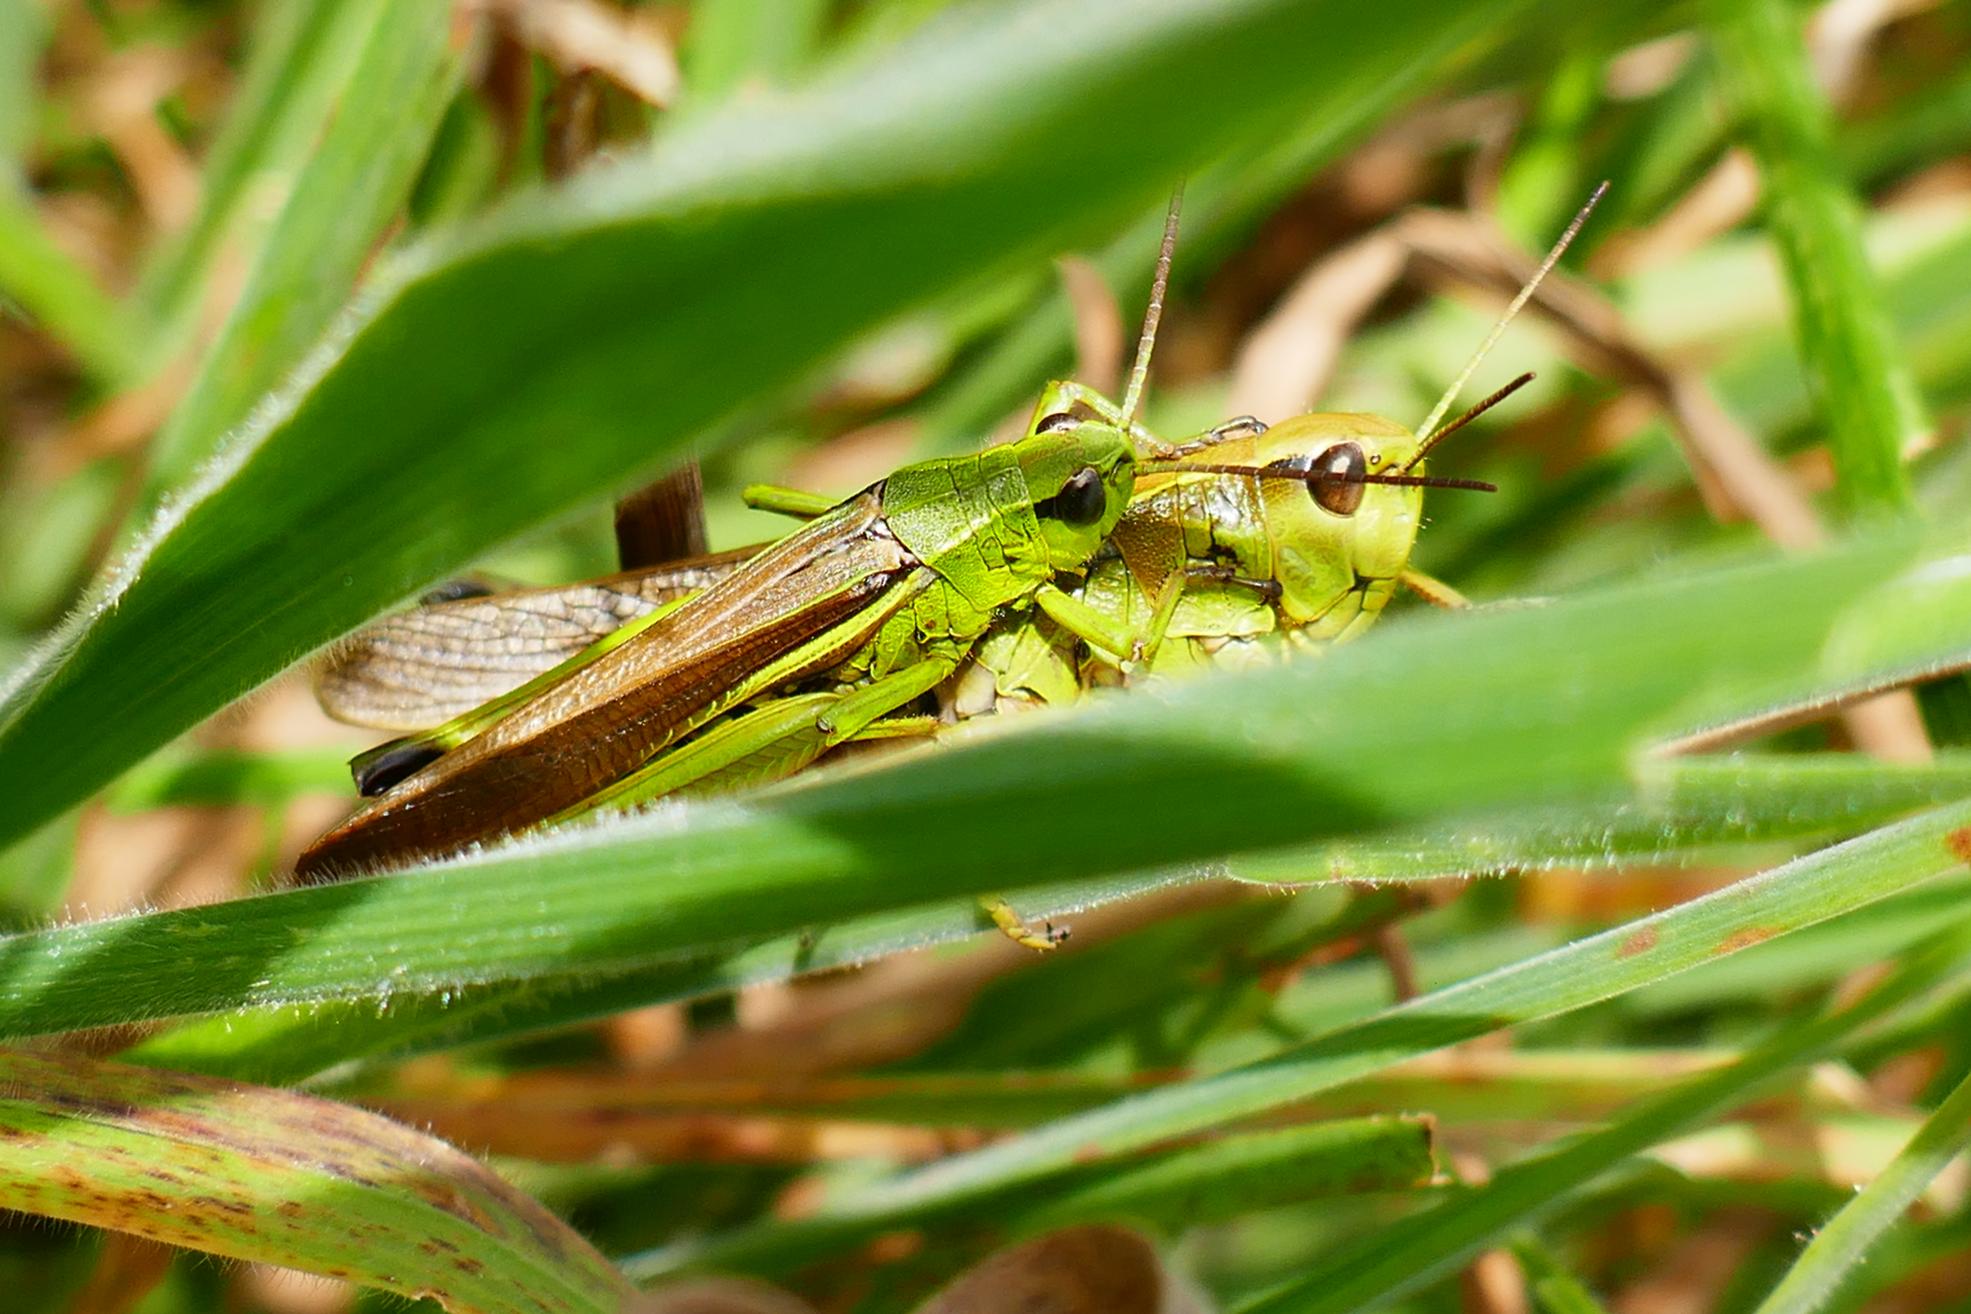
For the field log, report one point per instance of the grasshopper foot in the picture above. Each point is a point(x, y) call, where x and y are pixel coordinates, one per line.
point(1016, 930)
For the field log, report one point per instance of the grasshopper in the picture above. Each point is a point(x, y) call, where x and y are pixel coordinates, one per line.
point(1266, 565)
point(877, 600)
point(1304, 529)
point(889, 591)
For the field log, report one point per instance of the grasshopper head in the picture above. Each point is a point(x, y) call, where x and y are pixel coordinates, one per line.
point(1330, 537)
point(1080, 475)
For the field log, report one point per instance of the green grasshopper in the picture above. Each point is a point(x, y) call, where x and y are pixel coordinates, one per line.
point(1264, 560)
point(1343, 517)
point(1268, 565)
point(876, 601)
point(888, 591)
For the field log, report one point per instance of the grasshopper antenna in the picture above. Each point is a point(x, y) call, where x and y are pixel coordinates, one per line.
point(1139, 372)
point(1428, 430)
point(1316, 476)
point(1470, 415)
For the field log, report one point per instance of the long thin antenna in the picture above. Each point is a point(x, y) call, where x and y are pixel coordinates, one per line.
point(1423, 449)
point(1139, 372)
point(1315, 476)
point(1429, 426)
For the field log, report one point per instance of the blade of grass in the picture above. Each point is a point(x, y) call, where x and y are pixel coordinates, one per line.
point(298, 61)
point(1767, 798)
point(288, 1041)
point(733, 42)
point(1688, 810)
point(1553, 1287)
point(357, 174)
point(563, 347)
point(226, 777)
point(1229, 1176)
point(59, 295)
point(23, 36)
point(1844, 1241)
point(1587, 971)
point(1910, 132)
point(283, 1178)
point(1416, 1251)
point(1449, 712)
point(1811, 960)
point(1868, 399)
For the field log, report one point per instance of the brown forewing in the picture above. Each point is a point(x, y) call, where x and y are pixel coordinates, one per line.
point(608, 718)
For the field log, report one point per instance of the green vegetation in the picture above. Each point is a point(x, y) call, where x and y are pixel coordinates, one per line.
point(1527, 950)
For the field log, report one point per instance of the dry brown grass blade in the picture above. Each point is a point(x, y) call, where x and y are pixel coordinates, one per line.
point(720, 1295)
point(1098, 331)
point(1077, 1270)
point(1285, 362)
point(128, 1268)
point(576, 35)
point(574, 1128)
point(900, 1006)
point(122, 105)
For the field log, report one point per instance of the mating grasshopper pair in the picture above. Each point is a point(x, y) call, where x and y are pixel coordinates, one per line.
point(1018, 572)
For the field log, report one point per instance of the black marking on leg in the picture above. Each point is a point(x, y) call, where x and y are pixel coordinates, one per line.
point(386, 765)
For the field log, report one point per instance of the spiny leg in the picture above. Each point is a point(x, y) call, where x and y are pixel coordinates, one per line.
point(1239, 426)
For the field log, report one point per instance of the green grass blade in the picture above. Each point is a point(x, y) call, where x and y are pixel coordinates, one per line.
point(1587, 971)
point(297, 62)
point(567, 345)
point(23, 36)
point(1446, 713)
point(1685, 810)
point(357, 174)
point(731, 43)
point(1844, 1240)
point(225, 777)
point(1868, 399)
point(59, 295)
point(1416, 1251)
point(1553, 1288)
point(288, 1041)
point(1233, 1175)
point(1688, 808)
point(283, 1178)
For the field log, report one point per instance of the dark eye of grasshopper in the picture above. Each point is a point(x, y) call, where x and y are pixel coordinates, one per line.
point(1058, 420)
point(1341, 493)
point(1081, 501)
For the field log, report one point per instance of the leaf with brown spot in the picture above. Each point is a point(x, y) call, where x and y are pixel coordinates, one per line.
point(1744, 938)
point(1641, 942)
point(283, 1178)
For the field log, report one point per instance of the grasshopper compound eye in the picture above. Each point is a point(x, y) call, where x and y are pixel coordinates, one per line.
point(1082, 499)
point(1343, 472)
point(1341, 493)
point(1058, 420)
